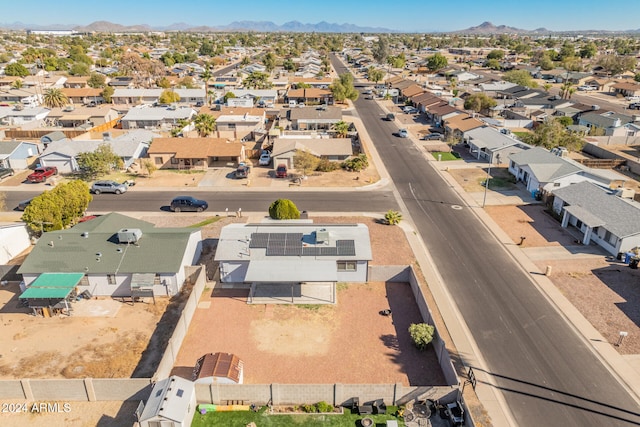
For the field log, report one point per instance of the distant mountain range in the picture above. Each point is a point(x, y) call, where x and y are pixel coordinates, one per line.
point(292, 26)
point(257, 26)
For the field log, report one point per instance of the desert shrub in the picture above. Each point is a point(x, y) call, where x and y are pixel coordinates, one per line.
point(283, 209)
point(324, 407)
point(308, 408)
point(325, 165)
point(421, 334)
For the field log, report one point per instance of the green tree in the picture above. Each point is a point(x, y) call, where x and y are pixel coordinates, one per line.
point(99, 162)
point(97, 80)
point(283, 209)
point(615, 64)
point(17, 84)
point(206, 76)
point(493, 64)
point(380, 50)
point(305, 161)
point(257, 80)
point(553, 134)
point(269, 61)
point(288, 65)
point(186, 82)
point(437, 62)
point(79, 69)
point(375, 75)
point(342, 88)
point(205, 124)
point(16, 69)
point(357, 163)
point(164, 83)
point(421, 334)
point(479, 102)
point(565, 120)
point(54, 98)
point(566, 90)
point(168, 97)
point(520, 77)
point(227, 96)
point(245, 61)
point(107, 93)
point(58, 208)
point(496, 54)
point(393, 217)
point(341, 128)
point(589, 50)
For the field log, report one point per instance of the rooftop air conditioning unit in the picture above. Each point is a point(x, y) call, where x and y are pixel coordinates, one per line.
point(129, 235)
point(322, 235)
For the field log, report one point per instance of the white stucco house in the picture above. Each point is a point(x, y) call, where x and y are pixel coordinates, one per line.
point(600, 215)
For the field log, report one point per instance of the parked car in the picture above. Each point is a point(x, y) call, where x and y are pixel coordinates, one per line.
point(108, 187)
point(265, 158)
point(390, 117)
point(586, 88)
point(402, 133)
point(42, 173)
point(433, 137)
point(23, 204)
point(242, 171)
point(5, 172)
point(188, 204)
point(409, 109)
point(281, 171)
point(634, 106)
point(633, 98)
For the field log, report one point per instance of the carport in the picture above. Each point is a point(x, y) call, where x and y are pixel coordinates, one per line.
point(51, 293)
point(288, 282)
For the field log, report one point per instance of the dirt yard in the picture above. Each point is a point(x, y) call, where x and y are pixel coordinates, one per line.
point(603, 289)
point(472, 180)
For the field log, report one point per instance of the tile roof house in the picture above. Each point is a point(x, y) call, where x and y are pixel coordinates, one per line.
point(194, 153)
point(456, 126)
point(83, 95)
point(310, 96)
point(293, 253)
point(600, 215)
point(73, 116)
point(333, 149)
point(116, 255)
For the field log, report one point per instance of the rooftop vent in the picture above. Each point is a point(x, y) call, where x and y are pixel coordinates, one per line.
point(129, 235)
point(322, 235)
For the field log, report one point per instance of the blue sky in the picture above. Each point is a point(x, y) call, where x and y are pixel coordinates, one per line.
point(404, 15)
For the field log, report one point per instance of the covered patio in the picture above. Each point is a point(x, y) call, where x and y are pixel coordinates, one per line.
point(51, 293)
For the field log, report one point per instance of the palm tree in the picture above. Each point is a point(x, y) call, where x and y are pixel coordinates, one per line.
point(17, 84)
point(341, 128)
point(205, 124)
point(54, 98)
point(206, 76)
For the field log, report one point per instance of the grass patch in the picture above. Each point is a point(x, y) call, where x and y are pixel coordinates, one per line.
point(206, 222)
point(117, 176)
point(445, 155)
point(521, 134)
point(264, 419)
point(187, 171)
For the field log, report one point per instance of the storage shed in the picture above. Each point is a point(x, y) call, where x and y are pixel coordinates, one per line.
point(221, 368)
point(172, 403)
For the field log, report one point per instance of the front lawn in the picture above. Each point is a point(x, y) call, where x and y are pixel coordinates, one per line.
point(446, 155)
point(264, 419)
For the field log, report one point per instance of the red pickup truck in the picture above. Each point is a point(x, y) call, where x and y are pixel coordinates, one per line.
point(41, 174)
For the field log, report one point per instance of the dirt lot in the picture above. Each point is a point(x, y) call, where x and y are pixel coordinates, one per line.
point(604, 290)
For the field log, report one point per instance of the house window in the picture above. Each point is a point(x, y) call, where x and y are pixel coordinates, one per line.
point(174, 161)
point(347, 266)
point(84, 281)
point(111, 279)
point(159, 161)
point(607, 236)
point(579, 225)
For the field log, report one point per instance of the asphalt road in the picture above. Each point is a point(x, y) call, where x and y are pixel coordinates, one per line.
point(258, 201)
point(548, 375)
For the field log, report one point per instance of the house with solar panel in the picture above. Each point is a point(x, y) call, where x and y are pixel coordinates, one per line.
point(112, 255)
point(297, 262)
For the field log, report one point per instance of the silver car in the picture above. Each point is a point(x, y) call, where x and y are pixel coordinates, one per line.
point(108, 187)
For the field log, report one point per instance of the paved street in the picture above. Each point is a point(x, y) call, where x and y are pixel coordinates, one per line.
point(547, 373)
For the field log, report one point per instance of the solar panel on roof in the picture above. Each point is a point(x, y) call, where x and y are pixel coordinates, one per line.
point(259, 240)
point(328, 251)
point(346, 247)
point(310, 251)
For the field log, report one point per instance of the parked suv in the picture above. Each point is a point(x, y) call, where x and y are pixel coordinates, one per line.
point(188, 204)
point(634, 106)
point(265, 158)
point(281, 171)
point(108, 187)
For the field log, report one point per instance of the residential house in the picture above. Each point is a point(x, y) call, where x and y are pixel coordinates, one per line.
point(625, 89)
point(613, 124)
point(297, 253)
point(228, 83)
point(116, 256)
point(151, 96)
point(172, 403)
point(310, 96)
point(268, 96)
point(195, 153)
point(81, 116)
point(424, 100)
point(144, 117)
point(600, 216)
point(316, 82)
point(84, 95)
point(239, 123)
point(76, 82)
point(63, 154)
point(493, 89)
point(411, 91)
point(491, 145)
point(544, 171)
point(27, 97)
point(573, 77)
point(56, 135)
point(458, 125)
point(18, 154)
point(441, 112)
point(120, 82)
point(314, 118)
point(332, 149)
point(26, 118)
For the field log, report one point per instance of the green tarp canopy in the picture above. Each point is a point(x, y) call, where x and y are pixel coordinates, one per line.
point(52, 286)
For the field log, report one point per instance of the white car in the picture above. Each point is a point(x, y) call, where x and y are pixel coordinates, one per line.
point(402, 133)
point(265, 159)
point(586, 88)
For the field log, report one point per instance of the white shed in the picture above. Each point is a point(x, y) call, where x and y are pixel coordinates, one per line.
point(172, 403)
point(14, 238)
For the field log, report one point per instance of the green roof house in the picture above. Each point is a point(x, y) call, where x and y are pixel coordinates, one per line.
point(116, 255)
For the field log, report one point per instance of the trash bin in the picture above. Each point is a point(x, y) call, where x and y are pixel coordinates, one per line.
point(634, 263)
point(304, 215)
point(627, 257)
